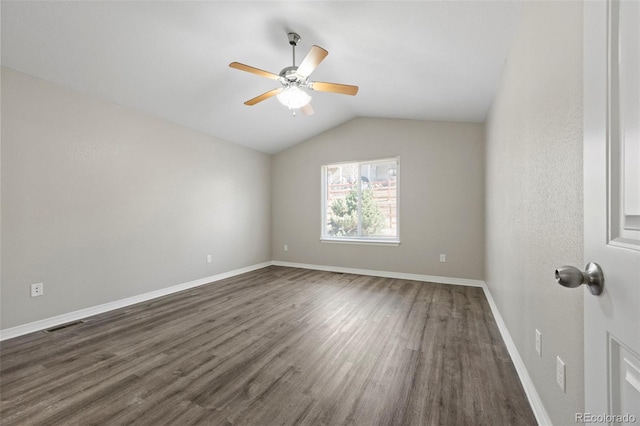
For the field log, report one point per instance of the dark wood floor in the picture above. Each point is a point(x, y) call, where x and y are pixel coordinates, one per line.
point(278, 346)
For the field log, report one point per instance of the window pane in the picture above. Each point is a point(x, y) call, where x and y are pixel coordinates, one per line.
point(342, 200)
point(378, 199)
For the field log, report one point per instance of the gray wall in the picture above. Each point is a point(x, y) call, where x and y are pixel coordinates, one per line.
point(534, 198)
point(102, 203)
point(441, 197)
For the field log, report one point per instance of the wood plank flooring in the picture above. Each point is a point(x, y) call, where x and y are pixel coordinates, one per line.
point(277, 346)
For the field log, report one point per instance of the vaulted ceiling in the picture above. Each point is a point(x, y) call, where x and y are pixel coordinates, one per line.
point(426, 60)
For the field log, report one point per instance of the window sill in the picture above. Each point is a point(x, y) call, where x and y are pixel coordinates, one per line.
point(367, 242)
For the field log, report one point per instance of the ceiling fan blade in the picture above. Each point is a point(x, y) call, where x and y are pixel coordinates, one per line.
point(311, 61)
point(307, 109)
point(264, 96)
point(253, 70)
point(344, 89)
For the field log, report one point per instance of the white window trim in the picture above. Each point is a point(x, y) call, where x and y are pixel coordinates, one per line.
point(364, 242)
point(392, 241)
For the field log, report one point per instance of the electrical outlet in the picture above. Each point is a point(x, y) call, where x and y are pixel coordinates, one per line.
point(538, 342)
point(208, 258)
point(37, 289)
point(286, 247)
point(443, 258)
point(561, 369)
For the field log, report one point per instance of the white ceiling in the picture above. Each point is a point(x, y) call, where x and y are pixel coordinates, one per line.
point(431, 60)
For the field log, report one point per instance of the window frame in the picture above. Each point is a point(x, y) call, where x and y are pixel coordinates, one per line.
point(377, 240)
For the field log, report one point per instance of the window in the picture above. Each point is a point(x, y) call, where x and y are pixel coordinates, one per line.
point(360, 201)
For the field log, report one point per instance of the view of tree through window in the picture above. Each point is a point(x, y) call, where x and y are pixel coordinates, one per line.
point(360, 200)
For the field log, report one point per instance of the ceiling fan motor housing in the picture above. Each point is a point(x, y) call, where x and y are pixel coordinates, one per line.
point(290, 75)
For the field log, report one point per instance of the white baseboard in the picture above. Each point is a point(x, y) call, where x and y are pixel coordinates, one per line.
point(95, 310)
point(532, 394)
point(384, 274)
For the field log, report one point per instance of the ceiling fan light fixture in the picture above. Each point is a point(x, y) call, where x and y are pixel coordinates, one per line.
point(293, 97)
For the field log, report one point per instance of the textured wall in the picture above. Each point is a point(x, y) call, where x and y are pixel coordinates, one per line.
point(102, 203)
point(441, 197)
point(534, 197)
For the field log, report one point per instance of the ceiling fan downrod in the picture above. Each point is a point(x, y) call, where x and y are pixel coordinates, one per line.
point(294, 38)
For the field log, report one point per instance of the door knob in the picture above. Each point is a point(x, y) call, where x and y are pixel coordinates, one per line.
point(571, 277)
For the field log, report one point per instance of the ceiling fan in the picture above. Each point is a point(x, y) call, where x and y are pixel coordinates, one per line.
point(296, 78)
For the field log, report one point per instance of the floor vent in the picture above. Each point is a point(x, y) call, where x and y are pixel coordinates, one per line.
point(63, 326)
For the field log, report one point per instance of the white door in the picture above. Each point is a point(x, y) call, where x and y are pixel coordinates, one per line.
point(612, 208)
